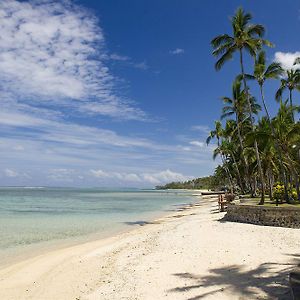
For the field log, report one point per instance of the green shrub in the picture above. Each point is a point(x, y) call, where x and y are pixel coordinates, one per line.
point(278, 192)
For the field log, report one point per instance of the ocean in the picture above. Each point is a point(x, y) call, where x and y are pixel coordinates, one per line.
point(33, 220)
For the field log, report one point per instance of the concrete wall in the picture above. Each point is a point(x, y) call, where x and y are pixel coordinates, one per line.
point(261, 215)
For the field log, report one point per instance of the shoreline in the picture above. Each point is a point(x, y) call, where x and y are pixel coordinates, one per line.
point(21, 267)
point(22, 253)
point(188, 253)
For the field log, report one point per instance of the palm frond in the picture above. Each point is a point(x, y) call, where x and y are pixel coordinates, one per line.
point(278, 95)
point(224, 58)
point(274, 71)
point(249, 77)
point(222, 49)
point(256, 29)
point(297, 61)
point(221, 40)
point(250, 47)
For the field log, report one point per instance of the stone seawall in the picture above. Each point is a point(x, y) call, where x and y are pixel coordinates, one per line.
point(262, 215)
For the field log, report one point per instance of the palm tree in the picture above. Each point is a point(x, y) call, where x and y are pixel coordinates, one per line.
point(229, 147)
point(218, 133)
point(261, 73)
point(245, 37)
point(287, 134)
point(291, 82)
point(236, 106)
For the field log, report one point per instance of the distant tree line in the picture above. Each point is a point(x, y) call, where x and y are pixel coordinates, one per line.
point(214, 182)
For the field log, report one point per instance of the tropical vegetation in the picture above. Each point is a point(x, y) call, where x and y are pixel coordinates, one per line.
point(208, 182)
point(259, 151)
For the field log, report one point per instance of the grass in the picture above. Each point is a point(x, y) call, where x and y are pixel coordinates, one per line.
point(268, 202)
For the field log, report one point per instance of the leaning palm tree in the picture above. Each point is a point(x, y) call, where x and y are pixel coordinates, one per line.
point(291, 83)
point(261, 73)
point(247, 37)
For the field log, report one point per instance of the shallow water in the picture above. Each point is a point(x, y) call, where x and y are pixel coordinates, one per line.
point(33, 218)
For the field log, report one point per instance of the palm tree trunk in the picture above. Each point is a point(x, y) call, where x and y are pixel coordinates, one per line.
point(297, 184)
point(242, 148)
point(238, 173)
point(282, 170)
point(291, 104)
point(271, 182)
point(261, 175)
point(226, 169)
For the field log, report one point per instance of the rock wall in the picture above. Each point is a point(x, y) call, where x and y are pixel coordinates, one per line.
point(262, 215)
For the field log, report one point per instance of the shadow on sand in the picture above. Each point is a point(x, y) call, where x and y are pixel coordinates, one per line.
point(244, 284)
point(141, 223)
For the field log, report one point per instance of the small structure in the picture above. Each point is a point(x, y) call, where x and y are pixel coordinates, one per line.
point(222, 202)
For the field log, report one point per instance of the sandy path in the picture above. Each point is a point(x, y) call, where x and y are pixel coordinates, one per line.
point(188, 255)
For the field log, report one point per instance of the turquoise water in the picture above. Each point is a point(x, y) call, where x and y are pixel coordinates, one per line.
point(33, 218)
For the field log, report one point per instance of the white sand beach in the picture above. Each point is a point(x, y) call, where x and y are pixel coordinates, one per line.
point(190, 254)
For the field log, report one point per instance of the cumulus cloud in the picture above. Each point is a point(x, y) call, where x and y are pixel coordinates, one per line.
point(177, 51)
point(197, 144)
point(164, 177)
point(147, 178)
point(287, 59)
point(54, 51)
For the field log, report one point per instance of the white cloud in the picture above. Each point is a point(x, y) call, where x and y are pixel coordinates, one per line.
point(127, 61)
point(147, 178)
point(197, 144)
point(164, 177)
point(54, 52)
point(99, 173)
point(18, 148)
point(10, 173)
point(52, 68)
point(61, 174)
point(142, 66)
point(113, 109)
point(287, 59)
point(201, 128)
point(177, 51)
point(115, 56)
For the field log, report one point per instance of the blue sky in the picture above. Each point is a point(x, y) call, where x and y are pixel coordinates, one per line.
point(119, 93)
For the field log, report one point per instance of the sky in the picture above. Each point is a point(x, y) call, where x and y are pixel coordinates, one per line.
point(120, 93)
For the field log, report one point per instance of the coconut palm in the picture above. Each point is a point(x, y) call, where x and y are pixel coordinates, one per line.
point(247, 37)
point(261, 73)
point(287, 134)
point(237, 106)
point(218, 133)
point(290, 83)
